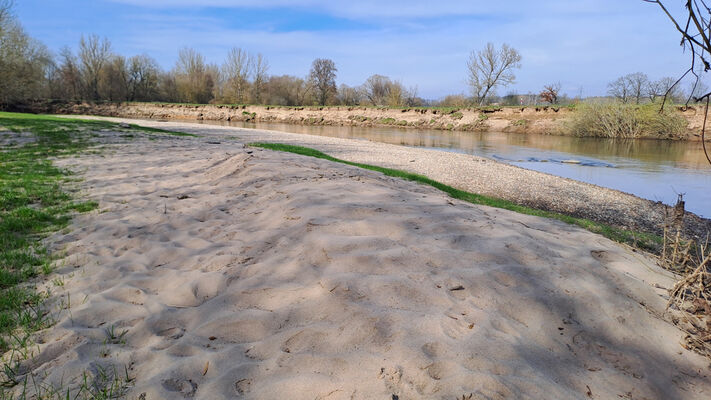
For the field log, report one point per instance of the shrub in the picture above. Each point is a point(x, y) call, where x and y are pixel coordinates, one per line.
point(617, 120)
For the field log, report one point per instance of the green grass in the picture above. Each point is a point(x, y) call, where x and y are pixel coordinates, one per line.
point(146, 129)
point(642, 240)
point(33, 204)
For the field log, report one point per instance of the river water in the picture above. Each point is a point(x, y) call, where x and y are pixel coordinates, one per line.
point(653, 169)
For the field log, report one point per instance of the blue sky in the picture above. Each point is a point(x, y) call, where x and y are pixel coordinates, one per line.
point(583, 44)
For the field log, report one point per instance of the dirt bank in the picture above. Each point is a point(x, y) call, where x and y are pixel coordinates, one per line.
point(537, 120)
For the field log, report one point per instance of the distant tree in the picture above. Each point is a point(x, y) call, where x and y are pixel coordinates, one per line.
point(288, 90)
point(114, 79)
point(143, 73)
point(454, 100)
point(663, 87)
point(94, 54)
point(349, 96)
point(411, 98)
point(380, 90)
point(620, 89)
point(323, 76)
point(194, 80)
point(237, 70)
point(511, 99)
point(68, 83)
point(24, 62)
point(550, 93)
point(6, 7)
point(396, 95)
point(168, 87)
point(260, 69)
point(376, 89)
point(638, 83)
point(490, 68)
point(629, 87)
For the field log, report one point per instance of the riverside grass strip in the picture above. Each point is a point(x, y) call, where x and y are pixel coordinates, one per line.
point(34, 202)
point(642, 240)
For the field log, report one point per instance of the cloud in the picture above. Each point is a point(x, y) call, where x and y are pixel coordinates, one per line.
point(403, 9)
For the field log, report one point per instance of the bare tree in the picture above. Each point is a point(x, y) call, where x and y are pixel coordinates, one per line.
point(637, 82)
point(261, 67)
point(6, 7)
point(24, 62)
point(629, 87)
point(288, 90)
point(376, 89)
point(323, 76)
point(193, 78)
point(349, 96)
point(550, 93)
point(411, 98)
point(237, 70)
point(69, 75)
point(143, 73)
point(491, 68)
point(114, 79)
point(663, 87)
point(94, 54)
point(620, 89)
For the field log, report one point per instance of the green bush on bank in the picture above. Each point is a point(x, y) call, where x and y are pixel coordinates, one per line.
point(627, 121)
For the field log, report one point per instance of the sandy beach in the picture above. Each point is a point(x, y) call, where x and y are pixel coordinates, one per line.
point(233, 272)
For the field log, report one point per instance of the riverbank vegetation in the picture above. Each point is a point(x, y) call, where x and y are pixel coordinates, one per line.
point(627, 121)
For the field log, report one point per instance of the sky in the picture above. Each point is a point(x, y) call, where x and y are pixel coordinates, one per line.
point(583, 44)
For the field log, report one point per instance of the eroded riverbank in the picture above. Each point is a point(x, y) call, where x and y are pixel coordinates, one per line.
point(548, 120)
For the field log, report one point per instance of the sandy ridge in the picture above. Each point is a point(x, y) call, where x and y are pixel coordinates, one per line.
point(478, 175)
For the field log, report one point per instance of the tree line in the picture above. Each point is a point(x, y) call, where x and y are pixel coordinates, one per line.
point(95, 72)
point(638, 88)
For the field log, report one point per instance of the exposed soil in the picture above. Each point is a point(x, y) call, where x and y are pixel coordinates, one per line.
point(550, 120)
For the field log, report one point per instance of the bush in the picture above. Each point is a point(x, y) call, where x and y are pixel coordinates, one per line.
point(617, 120)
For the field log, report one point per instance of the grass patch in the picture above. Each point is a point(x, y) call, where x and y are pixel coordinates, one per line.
point(146, 129)
point(33, 204)
point(642, 240)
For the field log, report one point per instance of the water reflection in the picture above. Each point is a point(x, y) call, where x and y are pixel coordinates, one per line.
point(652, 169)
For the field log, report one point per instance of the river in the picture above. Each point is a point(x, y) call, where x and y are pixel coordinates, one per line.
point(653, 169)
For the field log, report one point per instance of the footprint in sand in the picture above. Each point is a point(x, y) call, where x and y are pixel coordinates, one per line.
point(186, 387)
point(242, 386)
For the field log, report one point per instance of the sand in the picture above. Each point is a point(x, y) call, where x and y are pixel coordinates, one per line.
point(247, 273)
